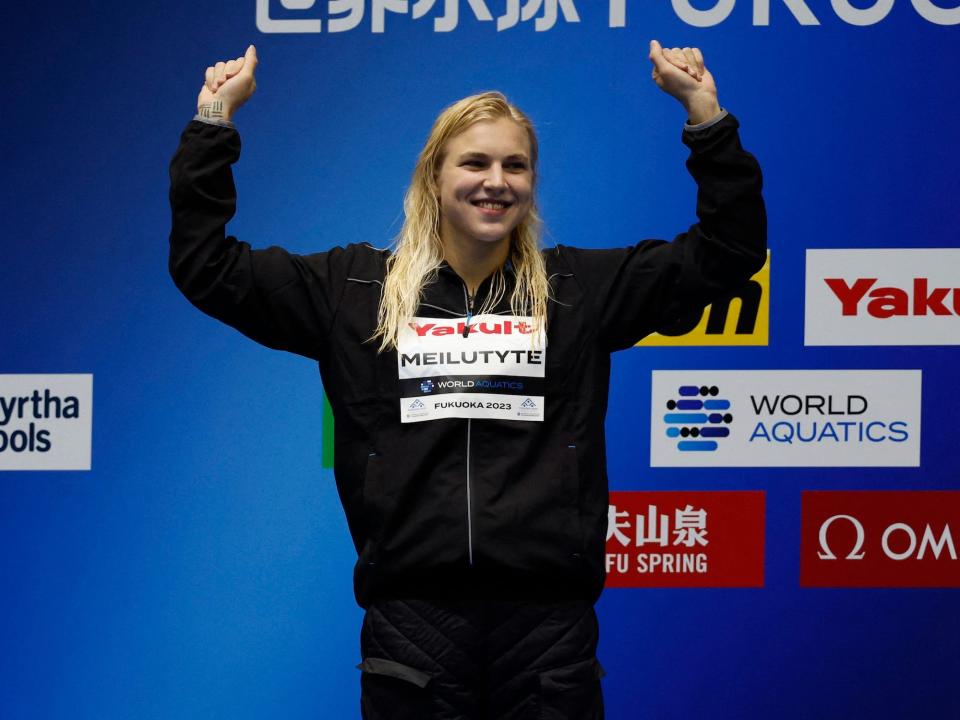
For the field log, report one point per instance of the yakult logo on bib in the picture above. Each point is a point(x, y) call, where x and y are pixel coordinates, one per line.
point(883, 297)
point(492, 366)
point(511, 326)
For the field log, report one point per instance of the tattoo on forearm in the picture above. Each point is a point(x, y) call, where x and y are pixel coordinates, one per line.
point(211, 109)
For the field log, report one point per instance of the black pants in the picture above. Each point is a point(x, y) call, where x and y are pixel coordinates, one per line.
point(482, 660)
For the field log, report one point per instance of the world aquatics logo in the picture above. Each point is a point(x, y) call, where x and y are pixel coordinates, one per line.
point(698, 417)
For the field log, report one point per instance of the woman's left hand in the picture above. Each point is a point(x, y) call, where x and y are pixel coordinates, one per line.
point(680, 72)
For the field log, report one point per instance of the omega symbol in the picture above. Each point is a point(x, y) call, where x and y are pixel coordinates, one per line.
point(825, 552)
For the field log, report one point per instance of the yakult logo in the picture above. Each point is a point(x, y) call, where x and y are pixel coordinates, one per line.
point(880, 539)
point(883, 297)
point(506, 327)
point(886, 302)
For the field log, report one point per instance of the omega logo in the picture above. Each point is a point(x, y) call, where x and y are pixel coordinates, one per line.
point(898, 542)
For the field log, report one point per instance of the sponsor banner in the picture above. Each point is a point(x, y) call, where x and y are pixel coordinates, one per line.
point(685, 539)
point(785, 418)
point(880, 539)
point(883, 297)
point(741, 318)
point(487, 366)
point(376, 16)
point(380, 16)
point(46, 422)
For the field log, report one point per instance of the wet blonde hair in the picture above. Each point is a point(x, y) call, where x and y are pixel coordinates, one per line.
point(419, 249)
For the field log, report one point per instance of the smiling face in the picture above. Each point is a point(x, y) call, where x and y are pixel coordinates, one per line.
point(485, 183)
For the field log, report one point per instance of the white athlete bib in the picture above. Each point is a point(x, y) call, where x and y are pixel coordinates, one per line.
point(492, 368)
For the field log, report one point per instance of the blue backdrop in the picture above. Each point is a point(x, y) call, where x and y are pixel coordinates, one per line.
point(202, 567)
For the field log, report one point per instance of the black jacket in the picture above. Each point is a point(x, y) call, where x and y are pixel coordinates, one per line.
point(466, 507)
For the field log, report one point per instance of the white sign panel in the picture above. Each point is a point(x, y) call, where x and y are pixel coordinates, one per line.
point(486, 366)
point(785, 418)
point(883, 297)
point(45, 422)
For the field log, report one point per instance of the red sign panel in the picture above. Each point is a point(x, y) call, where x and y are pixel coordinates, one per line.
point(685, 539)
point(880, 539)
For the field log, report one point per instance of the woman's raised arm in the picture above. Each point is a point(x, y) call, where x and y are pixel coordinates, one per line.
point(281, 300)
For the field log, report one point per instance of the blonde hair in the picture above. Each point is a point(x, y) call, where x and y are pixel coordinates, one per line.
point(419, 249)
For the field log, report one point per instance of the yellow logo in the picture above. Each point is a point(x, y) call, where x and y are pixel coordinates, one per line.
point(742, 318)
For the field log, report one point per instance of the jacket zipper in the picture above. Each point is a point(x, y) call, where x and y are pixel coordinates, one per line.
point(468, 301)
point(469, 510)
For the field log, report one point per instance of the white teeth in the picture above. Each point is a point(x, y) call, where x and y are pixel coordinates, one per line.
point(492, 205)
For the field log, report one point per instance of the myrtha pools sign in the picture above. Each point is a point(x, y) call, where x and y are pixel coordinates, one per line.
point(782, 418)
point(45, 422)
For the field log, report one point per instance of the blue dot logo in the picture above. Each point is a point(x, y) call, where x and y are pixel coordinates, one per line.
point(698, 418)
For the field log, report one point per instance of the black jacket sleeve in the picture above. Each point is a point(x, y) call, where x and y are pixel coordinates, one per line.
point(279, 299)
point(642, 288)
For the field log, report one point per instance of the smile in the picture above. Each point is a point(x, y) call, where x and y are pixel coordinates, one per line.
point(491, 204)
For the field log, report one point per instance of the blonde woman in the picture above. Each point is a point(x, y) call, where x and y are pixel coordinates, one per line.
point(468, 373)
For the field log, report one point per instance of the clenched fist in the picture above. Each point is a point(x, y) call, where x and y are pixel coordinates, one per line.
point(227, 86)
point(680, 72)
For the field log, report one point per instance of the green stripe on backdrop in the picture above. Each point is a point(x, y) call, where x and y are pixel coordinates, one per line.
point(326, 458)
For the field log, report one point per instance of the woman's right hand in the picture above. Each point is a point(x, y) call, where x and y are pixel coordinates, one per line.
point(227, 86)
